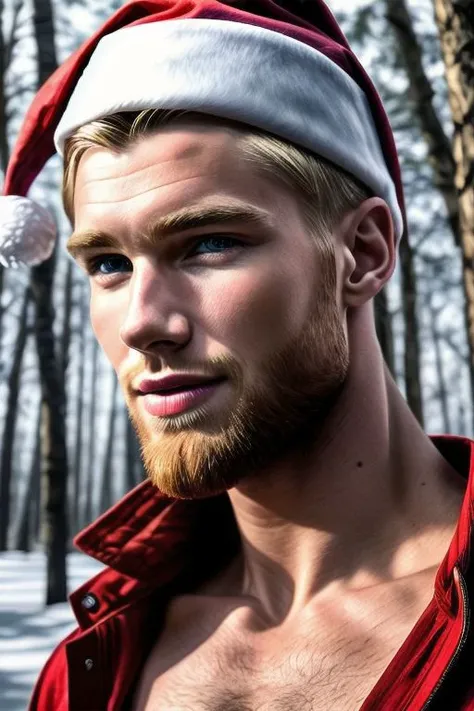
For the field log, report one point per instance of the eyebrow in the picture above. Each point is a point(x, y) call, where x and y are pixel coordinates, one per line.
point(186, 218)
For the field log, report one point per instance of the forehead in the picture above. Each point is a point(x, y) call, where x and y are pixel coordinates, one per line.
point(184, 165)
point(185, 156)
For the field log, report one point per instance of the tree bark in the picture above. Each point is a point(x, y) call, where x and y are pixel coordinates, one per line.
point(53, 434)
point(13, 389)
point(106, 489)
point(76, 522)
point(26, 531)
point(53, 429)
point(134, 473)
point(64, 359)
point(412, 331)
point(4, 150)
point(92, 441)
point(6, 50)
point(463, 420)
point(455, 20)
point(66, 334)
point(440, 154)
point(36, 491)
point(422, 93)
point(383, 324)
point(442, 389)
point(43, 21)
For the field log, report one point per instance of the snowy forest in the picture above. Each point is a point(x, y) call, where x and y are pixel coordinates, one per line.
point(67, 449)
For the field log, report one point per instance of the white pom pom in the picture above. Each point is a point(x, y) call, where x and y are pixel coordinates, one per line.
point(27, 232)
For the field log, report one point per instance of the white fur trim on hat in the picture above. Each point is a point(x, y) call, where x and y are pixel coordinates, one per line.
point(240, 72)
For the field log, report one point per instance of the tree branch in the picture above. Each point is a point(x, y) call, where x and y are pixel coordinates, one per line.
point(10, 42)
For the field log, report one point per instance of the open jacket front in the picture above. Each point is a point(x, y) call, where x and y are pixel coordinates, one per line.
point(156, 547)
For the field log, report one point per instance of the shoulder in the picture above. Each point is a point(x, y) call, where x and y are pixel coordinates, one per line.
point(51, 688)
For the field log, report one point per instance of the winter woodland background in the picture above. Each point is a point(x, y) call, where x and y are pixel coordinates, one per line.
point(67, 451)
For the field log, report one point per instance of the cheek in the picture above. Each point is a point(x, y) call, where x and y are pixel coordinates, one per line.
point(252, 309)
point(107, 316)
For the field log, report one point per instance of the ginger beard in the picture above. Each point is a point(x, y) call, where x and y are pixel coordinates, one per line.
point(190, 456)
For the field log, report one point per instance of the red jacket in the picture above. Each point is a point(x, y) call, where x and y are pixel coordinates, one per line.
point(155, 547)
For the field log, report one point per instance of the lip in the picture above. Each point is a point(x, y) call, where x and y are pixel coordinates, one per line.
point(160, 386)
point(166, 405)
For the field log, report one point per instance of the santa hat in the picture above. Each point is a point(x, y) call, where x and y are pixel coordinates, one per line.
point(284, 67)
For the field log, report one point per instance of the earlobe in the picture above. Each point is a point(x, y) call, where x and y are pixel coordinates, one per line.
point(370, 240)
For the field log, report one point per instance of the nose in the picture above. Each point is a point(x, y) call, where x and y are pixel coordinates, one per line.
point(155, 318)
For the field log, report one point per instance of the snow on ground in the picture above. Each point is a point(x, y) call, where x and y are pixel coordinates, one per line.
point(28, 630)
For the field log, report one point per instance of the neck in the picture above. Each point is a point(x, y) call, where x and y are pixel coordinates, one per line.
point(372, 501)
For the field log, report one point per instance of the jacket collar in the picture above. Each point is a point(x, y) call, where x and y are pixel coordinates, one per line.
point(153, 539)
point(459, 452)
point(147, 533)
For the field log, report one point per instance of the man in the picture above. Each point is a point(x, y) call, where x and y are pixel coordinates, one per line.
point(300, 542)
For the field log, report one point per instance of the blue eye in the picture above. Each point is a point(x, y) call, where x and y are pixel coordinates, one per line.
point(217, 239)
point(109, 264)
point(106, 260)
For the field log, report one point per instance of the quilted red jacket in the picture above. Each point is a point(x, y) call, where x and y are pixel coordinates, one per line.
point(155, 547)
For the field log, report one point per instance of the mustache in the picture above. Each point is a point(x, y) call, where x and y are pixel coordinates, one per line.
point(129, 375)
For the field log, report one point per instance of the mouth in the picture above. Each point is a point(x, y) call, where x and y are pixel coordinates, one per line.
point(187, 387)
point(178, 400)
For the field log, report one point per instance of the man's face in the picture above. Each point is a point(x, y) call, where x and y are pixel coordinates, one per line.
point(253, 301)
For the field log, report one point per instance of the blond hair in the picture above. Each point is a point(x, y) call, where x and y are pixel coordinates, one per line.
point(325, 191)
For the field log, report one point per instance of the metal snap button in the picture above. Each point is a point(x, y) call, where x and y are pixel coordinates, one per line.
point(90, 602)
point(88, 664)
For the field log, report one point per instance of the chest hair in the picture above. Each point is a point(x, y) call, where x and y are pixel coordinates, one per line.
point(226, 673)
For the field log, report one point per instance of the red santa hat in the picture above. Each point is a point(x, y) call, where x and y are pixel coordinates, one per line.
point(279, 65)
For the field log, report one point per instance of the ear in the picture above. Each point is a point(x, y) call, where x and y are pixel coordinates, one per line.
point(368, 238)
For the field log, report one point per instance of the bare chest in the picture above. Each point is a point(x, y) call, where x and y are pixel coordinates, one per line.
point(217, 667)
point(301, 681)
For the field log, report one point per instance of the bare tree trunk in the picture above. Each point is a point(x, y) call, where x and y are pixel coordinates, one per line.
point(412, 331)
point(92, 440)
point(44, 36)
point(442, 389)
point(4, 150)
point(106, 492)
point(463, 420)
point(6, 462)
point(36, 490)
point(66, 335)
point(53, 434)
point(439, 148)
point(6, 52)
point(53, 430)
point(383, 324)
point(76, 523)
point(2, 281)
point(29, 505)
point(64, 361)
point(455, 20)
point(133, 464)
point(422, 93)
